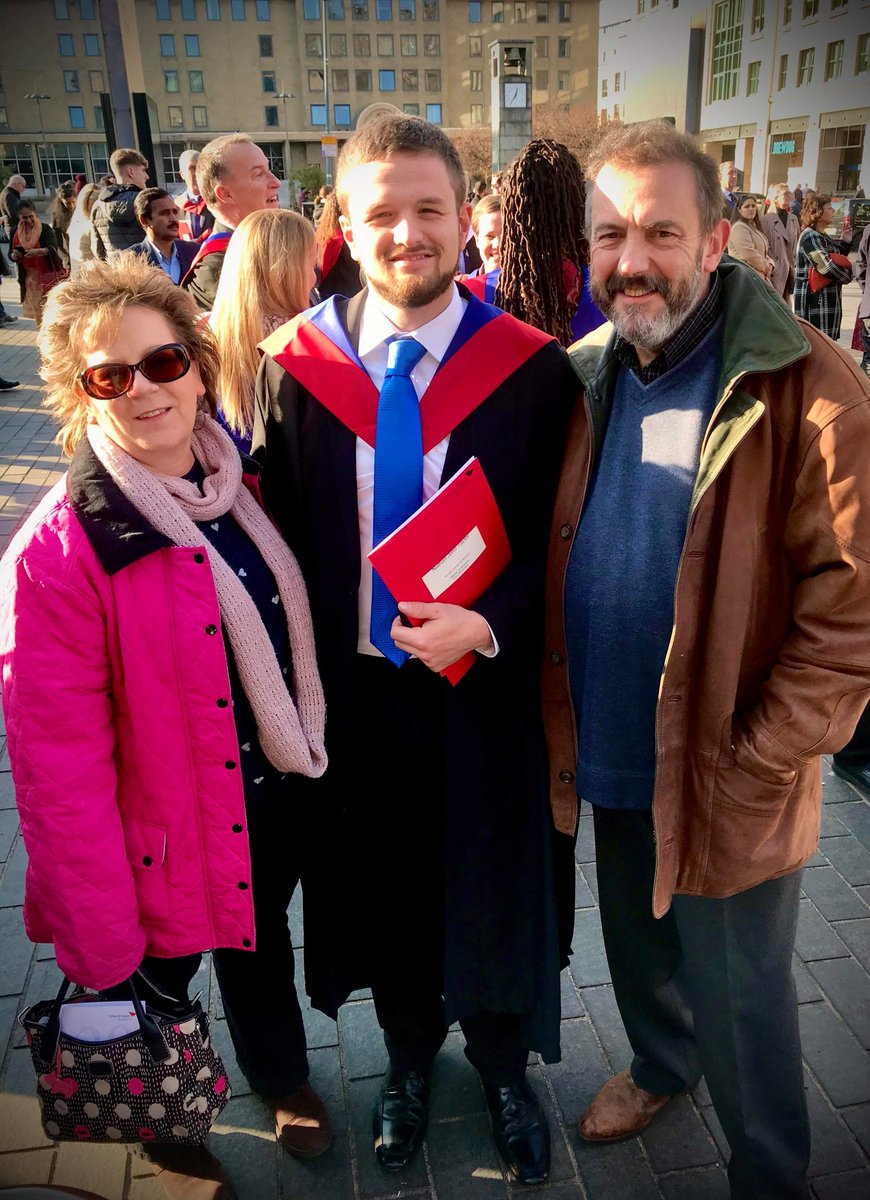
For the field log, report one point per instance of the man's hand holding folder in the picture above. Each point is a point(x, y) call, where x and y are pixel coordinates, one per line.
point(437, 564)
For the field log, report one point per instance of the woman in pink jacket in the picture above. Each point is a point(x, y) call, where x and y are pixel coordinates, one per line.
point(161, 693)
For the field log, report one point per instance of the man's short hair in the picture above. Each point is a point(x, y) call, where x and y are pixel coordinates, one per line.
point(14, 179)
point(126, 157)
point(212, 167)
point(381, 139)
point(652, 144)
point(145, 201)
point(186, 160)
point(487, 204)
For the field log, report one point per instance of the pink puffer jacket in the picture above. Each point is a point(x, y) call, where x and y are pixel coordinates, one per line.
point(121, 737)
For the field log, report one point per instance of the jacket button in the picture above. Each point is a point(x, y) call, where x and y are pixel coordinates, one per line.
point(147, 860)
point(243, 887)
point(230, 765)
point(555, 657)
point(211, 630)
point(238, 828)
point(222, 702)
point(199, 558)
point(566, 776)
point(246, 942)
point(566, 530)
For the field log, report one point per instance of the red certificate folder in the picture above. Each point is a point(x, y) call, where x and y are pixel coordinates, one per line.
point(450, 549)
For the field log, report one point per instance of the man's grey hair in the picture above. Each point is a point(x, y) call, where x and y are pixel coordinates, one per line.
point(652, 144)
point(186, 160)
point(15, 179)
point(212, 166)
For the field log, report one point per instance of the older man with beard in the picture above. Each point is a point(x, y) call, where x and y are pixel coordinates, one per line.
point(707, 641)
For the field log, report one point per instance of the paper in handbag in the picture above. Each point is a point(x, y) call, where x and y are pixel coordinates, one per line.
point(451, 549)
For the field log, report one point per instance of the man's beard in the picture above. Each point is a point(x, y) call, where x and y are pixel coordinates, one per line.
point(649, 332)
point(409, 291)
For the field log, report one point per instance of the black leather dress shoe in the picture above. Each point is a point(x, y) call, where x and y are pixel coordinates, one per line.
point(858, 774)
point(521, 1132)
point(400, 1115)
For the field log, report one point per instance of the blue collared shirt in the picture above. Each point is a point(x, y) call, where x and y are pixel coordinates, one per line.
point(172, 265)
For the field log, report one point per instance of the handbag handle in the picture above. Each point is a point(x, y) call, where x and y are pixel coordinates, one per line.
point(155, 1043)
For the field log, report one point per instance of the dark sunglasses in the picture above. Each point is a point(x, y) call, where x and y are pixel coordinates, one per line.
point(109, 381)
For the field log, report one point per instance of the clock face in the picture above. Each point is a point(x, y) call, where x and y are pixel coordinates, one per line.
point(515, 95)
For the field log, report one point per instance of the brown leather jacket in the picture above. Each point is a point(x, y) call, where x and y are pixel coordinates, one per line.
point(769, 661)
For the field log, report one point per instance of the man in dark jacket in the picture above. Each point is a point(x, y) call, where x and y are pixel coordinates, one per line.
point(113, 218)
point(157, 213)
point(10, 198)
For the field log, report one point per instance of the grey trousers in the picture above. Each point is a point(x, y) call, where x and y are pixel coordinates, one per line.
point(708, 990)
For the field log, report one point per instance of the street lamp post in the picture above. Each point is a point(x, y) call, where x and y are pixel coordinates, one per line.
point(323, 14)
point(284, 97)
point(39, 97)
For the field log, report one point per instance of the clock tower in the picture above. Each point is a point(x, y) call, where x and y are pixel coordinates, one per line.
point(511, 100)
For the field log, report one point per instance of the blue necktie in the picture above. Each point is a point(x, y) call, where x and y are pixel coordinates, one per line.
point(398, 474)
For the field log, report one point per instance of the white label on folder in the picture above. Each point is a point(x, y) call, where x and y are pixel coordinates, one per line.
point(455, 563)
point(98, 1020)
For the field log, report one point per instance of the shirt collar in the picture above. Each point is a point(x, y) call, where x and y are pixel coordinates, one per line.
point(681, 344)
point(436, 335)
point(160, 254)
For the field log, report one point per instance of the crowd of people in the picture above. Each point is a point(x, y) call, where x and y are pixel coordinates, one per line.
point(679, 462)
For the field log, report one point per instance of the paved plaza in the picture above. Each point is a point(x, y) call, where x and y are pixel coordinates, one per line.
point(681, 1157)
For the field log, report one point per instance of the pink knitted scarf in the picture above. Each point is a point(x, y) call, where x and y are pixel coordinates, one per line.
point(291, 734)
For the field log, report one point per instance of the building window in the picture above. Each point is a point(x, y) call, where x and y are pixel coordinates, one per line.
point(387, 81)
point(757, 16)
point(76, 116)
point(196, 81)
point(61, 9)
point(862, 57)
point(200, 116)
point(341, 112)
point(65, 45)
point(497, 12)
point(476, 114)
point(834, 60)
point(565, 12)
point(752, 75)
point(433, 81)
point(213, 9)
point(363, 81)
point(564, 47)
point(270, 113)
point(475, 79)
point(542, 12)
point(521, 12)
point(412, 110)
point(98, 84)
point(782, 78)
point(475, 46)
point(410, 79)
point(99, 119)
point(86, 10)
point(641, 6)
point(385, 45)
point(542, 81)
point(92, 45)
point(362, 45)
point(191, 45)
point(164, 11)
point(407, 10)
point(266, 45)
point(810, 9)
point(315, 79)
point(786, 12)
point(360, 10)
point(616, 112)
point(338, 45)
point(311, 10)
point(836, 5)
point(167, 45)
point(314, 45)
point(542, 47)
point(170, 81)
point(727, 46)
point(603, 88)
point(176, 117)
point(408, 44)
point(262, 9)
point(335, 10)
point(318, 114)
point(806, 61)
point(188, 10)
point(71, 81)
point(384, 10)
point(238, 10)
point(433, 113)
point(475, 12)
point(341, 80)
point(431, 10)
point(432, 45)
point(563, 83)
point(617, 81)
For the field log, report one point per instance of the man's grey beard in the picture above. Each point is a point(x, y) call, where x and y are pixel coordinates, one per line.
point(649, 332)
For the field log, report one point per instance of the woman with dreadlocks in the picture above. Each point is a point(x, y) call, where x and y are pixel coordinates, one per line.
point(544, 252)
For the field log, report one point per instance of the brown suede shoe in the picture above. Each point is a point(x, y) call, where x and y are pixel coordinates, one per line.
point(302, 1123)
point(188, 1172)
point(620, 1110)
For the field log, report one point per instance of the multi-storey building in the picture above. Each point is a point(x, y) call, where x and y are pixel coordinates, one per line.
point(285, 71)
point(782, 87)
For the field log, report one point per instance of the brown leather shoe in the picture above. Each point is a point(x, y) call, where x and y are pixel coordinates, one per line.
point(188, 1172)
point(620, 1110)
point(302, 1123)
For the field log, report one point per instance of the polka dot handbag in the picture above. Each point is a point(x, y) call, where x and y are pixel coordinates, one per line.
point(163, 1083)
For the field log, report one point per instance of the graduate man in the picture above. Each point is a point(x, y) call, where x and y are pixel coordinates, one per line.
point(195, 218)
point(439, 867)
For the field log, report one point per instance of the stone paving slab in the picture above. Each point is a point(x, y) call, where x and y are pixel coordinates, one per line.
point(683, 1156)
